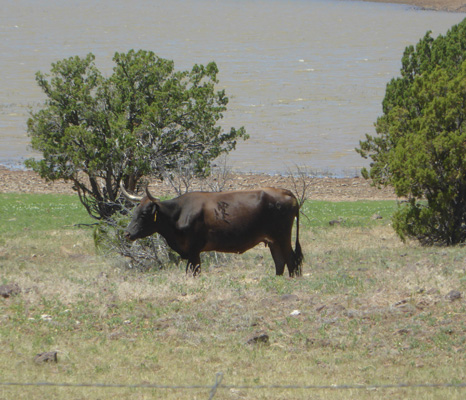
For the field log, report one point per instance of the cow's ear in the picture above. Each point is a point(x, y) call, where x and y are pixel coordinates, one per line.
point(155, 209)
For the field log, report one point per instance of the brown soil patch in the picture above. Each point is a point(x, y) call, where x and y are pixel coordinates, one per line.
point(333, 189)
point(437, 5)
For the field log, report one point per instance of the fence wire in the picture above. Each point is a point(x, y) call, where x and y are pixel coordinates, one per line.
point(218, 385)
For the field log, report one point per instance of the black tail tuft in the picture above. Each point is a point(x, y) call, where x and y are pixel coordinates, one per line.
point(298, 257)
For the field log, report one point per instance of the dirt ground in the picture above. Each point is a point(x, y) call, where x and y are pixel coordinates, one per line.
point(333, 189)
point(438, 5)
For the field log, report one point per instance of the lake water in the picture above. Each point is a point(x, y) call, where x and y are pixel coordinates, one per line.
point(305, 77)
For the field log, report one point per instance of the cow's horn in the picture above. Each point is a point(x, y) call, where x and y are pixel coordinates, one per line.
point(149, 195)
point(131, 197)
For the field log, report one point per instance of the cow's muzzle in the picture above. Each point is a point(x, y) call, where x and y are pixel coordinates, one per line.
point(128, 236)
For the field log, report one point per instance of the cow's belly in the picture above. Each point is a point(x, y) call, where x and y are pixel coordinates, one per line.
point(233, 243)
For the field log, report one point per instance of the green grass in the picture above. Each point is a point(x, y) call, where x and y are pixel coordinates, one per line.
point(39, 212)
point(351, 214)
point(372, 310)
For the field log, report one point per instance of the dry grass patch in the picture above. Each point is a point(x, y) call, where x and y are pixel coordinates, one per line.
point(369, 310)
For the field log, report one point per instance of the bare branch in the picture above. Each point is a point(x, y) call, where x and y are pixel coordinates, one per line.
point(182, 176)
point(300, 183)
point(220, 176)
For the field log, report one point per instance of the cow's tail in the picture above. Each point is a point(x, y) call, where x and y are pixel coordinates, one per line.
point(298, 257)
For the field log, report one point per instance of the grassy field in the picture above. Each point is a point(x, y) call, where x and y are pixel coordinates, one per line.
point(369, 310)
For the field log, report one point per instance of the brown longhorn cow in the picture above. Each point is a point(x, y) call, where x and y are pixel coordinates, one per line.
point(229, 222)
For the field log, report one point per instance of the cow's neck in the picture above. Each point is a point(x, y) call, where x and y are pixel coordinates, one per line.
point(167, 215)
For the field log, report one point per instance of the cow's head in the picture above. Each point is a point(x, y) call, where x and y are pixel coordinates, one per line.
point(144, 218)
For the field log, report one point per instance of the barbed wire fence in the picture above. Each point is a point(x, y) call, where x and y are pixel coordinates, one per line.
point(213, 389)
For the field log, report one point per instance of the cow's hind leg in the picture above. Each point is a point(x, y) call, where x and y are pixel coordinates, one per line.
point(288, 257)
point(293, 259)
point(290, 262)
point(278, 258)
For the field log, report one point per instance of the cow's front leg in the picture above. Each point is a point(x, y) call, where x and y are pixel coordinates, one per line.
point(194, 265)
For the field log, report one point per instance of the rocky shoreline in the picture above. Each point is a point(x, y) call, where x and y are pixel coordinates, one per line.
point(434, 5)
point(332, 189)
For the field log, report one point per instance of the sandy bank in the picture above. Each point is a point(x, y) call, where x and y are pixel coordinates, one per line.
point(438, 5)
